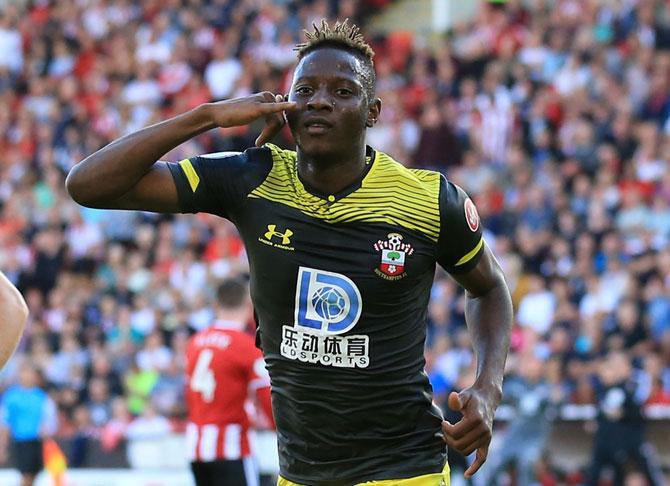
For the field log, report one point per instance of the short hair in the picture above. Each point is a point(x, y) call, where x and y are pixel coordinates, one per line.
point(343, 36)
point(232, 293)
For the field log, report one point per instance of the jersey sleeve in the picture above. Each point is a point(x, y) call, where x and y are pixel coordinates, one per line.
point(219, 183)
point(460, 245)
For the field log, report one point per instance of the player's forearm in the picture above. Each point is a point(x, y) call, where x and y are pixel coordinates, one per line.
point(12, 318)
point(489, 317)
point(112, 171)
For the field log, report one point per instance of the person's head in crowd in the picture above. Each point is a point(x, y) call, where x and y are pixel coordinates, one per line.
point(615, 368)
point(82, 418)
point(531, 367)
point(98, 390)
point(635, 478)
point(233, 304)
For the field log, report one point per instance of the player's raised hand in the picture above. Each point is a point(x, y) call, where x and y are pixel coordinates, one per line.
point(242, 111)
point(273, 122)
point(474, 430)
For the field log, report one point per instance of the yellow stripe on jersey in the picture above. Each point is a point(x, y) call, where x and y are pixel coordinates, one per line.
point(471, 254)
point(191, 174)
point(389, 193)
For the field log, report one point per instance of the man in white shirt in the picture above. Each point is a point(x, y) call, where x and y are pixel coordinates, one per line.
point(536, 309)
point(223, 71)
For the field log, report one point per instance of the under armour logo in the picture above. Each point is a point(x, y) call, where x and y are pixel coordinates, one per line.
point(285, 236)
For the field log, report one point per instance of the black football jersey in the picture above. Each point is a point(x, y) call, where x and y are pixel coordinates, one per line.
point(340, 285)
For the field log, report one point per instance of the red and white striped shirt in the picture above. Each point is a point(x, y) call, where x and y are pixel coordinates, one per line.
point(224, 369)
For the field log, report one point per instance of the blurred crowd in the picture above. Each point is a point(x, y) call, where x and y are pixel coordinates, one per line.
point(553, 115)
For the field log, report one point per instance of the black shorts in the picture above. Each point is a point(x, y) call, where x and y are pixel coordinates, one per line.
point(241, 472)
point(27, 456)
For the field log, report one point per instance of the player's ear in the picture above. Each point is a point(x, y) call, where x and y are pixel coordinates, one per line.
point(374, 109)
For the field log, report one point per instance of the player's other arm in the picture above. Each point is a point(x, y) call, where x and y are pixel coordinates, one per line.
point(12, 318)
point(126, 174)
point(488, 314)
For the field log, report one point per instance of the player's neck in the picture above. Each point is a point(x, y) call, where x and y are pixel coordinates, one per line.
point(331, 174)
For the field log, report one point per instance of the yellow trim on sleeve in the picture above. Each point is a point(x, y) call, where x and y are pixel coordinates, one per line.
point(471, 254)
point(191, 174)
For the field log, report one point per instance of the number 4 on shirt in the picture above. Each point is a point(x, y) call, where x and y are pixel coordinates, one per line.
point(203, 380)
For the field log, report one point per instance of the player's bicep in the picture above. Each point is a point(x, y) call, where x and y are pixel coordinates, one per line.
point(482, 277)
point(156, 191)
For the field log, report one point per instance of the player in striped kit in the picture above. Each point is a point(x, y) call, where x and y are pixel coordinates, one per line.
point(224, 368)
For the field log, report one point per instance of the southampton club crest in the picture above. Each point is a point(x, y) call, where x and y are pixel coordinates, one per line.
point(393, 255)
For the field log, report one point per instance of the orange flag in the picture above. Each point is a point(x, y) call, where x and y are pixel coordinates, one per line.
point(54, 461)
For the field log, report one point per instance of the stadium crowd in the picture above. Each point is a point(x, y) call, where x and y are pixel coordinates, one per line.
point(553, 115)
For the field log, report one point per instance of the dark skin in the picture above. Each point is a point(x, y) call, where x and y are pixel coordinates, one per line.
point(327, 104)
point(328, 90)
point(488, 313)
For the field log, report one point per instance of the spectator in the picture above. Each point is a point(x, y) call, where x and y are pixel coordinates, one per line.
point(527, 435)
point(224, 69)
point(114, 431)
point(536, 309)
point(154, 356)
point(139, 384)
point(621, 433)
point(149, 425)
point(85, 432)
point(99, 404)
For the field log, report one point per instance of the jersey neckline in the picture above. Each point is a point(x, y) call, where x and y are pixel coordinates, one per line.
point(370, 158)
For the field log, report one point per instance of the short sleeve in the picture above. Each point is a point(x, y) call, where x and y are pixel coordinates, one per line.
point(219, 183)
point(460, 245)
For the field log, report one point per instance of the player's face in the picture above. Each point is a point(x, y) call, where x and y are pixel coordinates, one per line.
point(333, 107)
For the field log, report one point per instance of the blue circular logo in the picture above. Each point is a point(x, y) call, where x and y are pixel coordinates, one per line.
point(329, 303)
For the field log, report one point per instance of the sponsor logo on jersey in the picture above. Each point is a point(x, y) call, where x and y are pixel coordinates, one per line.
point(337, 351)
point(327, 304)
point(471, 215)
point(277, 239)
point(393, 255)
